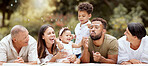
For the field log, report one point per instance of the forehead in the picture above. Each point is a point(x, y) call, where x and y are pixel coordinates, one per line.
point(23, 34)
point(97, 22)
point(49, 29)
point(128, 31)
point(82, 12)
point(67, 32)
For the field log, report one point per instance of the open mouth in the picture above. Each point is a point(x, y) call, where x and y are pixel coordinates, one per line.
point(52, 39)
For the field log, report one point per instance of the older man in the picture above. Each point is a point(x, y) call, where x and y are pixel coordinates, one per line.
point(101, 48)
point(18, 47)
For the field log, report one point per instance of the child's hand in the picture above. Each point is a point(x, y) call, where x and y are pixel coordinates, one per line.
point(73, 36)
point(60, 46)
point(85, 42)
point(77, 61)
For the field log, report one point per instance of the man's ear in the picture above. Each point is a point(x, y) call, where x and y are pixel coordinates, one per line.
point(104, 31)
point(14, 39)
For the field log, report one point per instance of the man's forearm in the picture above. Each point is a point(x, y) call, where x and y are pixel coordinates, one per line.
point(85, 56)
point(104, 60)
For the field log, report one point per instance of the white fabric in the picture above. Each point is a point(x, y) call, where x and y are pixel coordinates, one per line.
point(47, 58)
point(80, 32)
point(68, 49)
point(125, 53)
point(9, 54)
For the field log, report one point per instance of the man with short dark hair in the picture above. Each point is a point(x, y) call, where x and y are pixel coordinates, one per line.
point(101, 47)
point(133, 46)
point(18, 47)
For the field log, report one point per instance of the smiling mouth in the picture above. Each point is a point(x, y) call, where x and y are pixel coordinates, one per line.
point(52, 39)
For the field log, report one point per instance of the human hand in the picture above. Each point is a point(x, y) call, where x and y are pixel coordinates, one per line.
point(73, 36)
point(19, 60)
point(84, 42)
point(125, 63)
point(72, 58)
point(77, 61)
point(134, 61)
point(96, 56)
point(60, 46)
point(60, 55)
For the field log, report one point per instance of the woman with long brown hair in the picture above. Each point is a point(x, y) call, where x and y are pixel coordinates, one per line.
point(46, 46)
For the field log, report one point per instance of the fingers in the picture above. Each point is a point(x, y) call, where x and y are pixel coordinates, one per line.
point(85, 42)
point(19, 60)
point(96, 56)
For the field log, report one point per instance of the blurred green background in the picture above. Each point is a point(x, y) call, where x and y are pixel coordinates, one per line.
point(59, 13)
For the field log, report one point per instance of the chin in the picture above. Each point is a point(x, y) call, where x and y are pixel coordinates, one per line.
point(26, 44)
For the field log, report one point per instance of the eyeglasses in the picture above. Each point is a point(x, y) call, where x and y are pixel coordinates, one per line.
point(94, 25)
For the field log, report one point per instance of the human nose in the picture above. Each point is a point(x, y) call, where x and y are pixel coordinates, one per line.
point(125, 33)
point(53, 35)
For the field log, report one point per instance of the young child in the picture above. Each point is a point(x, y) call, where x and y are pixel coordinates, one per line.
point(66, 45)
point(81, 30)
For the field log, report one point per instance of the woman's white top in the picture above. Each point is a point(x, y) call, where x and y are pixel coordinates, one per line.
point(47, 58)
point(125, 53)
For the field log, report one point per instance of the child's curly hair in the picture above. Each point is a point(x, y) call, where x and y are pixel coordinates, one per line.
point(85, 6)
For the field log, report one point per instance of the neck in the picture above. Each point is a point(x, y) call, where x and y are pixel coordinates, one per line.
point(83, 23)
point(49, 50)
point(99, 41)
point(135, 45)
point(17, 47)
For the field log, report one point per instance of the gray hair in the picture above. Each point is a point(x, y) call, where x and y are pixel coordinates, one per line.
point(16, 29)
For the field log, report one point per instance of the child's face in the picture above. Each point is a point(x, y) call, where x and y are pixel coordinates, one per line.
point(66, 37)
point(83, 16)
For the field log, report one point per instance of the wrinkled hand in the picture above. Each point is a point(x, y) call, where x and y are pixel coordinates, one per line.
point(85, 42)
point(72, 58)
point(19, 60)
point(125, 63)
point(96, 56)
point(61, 55)
point(134, 61)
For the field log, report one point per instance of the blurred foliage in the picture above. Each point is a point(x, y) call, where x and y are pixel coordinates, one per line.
point(122, 17)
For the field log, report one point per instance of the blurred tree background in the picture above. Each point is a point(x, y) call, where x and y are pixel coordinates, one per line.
point(59, 13)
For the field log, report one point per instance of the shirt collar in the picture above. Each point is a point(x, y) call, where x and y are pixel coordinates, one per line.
point(86, 23)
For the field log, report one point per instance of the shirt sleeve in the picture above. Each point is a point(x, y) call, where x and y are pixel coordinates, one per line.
point(32, 55)
point(122, 53)
point(113, 50)
point(144, 57)
point(3, 56)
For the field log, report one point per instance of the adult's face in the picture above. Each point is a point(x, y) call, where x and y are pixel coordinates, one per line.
point(129, 36)
point(96, 29)
point(22, 38)
point(49, 36)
